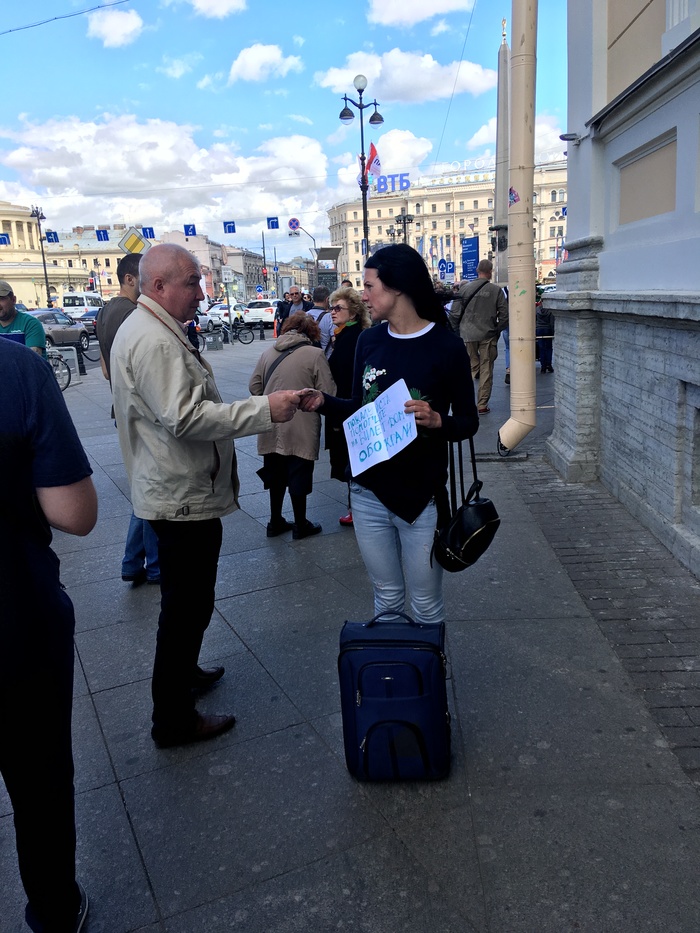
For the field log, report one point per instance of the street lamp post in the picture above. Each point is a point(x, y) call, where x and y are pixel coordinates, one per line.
point(347, 116)
point(403, 220)
point(38, 214)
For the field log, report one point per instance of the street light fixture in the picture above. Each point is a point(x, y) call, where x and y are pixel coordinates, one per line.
point(347, 116)
point(403, 220)
point(38, 214)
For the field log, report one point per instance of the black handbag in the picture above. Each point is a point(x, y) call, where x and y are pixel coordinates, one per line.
point(473, 525)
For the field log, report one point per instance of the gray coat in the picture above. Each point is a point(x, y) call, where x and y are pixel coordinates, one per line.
point(480, 312)
point(305, 368)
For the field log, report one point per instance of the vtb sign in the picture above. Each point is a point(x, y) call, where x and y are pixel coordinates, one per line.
point(389, 183)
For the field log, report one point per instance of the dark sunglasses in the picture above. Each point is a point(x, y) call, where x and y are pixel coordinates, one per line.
point(337, 308)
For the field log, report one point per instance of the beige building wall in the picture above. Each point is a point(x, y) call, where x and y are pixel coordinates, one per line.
point(653, 173)
point(635, 32)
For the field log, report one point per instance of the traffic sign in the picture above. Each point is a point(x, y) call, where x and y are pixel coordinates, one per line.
point(134, 241)
point(51, 236)
point(102, 236)
point(190, 230)
point(442, 265)
point(294, 223)
point(275, 268)
point(226, 275)
point(148, 233)
point(273, 223)
point(4, 239)
point(229, 226)
point(259, 289)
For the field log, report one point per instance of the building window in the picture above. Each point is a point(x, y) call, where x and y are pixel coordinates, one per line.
point(354, 215)
point(534, 198)
point(379, 229)
point(489, 203)
point(433, 208)
point(356, 231)
point(562, 194)
point(379, 213)
point(447, 206)
point(418, 225)
point(552, 252)
point(391, 212)
point(553, 197)
point(476, 205)
point(560, 231)
point(357, 247)
point(55, 262)
point(447, 224)
point(109, 281)
point(107, 263)
point(476, 221)
point(357, 265)
point(70, 263)
point(417, 208)
point(448, 241)
point(461, 223)
point(435, 225)
point(490, 220)
point(552, 231)
point(461, 205)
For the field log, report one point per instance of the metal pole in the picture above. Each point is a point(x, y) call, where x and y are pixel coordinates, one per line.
point(363, 178)
point(39, 214)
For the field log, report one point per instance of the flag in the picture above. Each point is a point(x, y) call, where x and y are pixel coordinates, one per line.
point(442, 248)
point(374, 166)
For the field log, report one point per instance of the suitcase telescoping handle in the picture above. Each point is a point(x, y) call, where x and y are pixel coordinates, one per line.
point(393, 613)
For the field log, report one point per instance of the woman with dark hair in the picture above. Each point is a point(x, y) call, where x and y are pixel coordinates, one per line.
point(397, 504)
point(289, 450)
point(350, 318)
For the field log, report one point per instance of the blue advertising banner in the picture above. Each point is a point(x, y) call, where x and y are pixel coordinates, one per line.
point(470, 257)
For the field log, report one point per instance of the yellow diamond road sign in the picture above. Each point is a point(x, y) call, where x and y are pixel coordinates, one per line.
point(134, 242)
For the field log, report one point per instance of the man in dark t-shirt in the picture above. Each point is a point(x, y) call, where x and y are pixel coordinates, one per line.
point(140, 562)
point(51, 486)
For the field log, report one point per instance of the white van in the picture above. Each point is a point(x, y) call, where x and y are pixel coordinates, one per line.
point(75, 304)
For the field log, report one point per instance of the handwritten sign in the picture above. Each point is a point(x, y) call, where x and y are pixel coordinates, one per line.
point(380, 430)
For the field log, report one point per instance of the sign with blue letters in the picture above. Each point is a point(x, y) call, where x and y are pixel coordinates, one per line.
point(470, 257)
point(190, 230)
point(229, 226)
point(148, 233)
point(273, 223)
point(51, 236)
point(102, 236)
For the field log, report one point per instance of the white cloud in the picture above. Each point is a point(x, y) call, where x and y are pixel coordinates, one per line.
point(217, 9)
point(298, 118)
point(259, 62)
point(120, 169)
point(484, 135)
point(177, 67)
point(298, 40)
point(410, 12)
point(408, 76)
point(439, 27)
point(115, 28)
point(400, 152)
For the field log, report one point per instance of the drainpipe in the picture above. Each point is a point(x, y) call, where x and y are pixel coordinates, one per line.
point(521, 258)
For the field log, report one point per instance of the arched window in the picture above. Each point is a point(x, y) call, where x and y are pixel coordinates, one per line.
point(562, 194)
point(553, 197)
point(534, 197)
point(357, 265)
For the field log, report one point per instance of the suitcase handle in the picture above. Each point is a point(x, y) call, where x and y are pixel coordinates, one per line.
point(391, 612)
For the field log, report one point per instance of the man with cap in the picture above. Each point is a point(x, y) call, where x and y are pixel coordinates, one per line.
point(22, 326)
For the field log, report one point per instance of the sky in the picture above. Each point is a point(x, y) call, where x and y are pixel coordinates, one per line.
point(172, 112)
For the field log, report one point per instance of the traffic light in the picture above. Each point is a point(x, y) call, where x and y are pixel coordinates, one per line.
point(91, 283)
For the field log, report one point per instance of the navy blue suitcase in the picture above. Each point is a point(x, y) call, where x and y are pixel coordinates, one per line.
point(393, 696)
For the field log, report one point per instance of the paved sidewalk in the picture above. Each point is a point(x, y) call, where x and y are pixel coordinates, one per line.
point(574, 663)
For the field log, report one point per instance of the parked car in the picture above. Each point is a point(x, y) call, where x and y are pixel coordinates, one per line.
point(75, 304)
point(215, 316)
point(60, 330)
point(261, 310)
point(88, 320)
point(207, 322)
point(224, 311)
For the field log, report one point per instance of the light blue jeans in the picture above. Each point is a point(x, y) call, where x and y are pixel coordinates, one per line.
point(395, 551)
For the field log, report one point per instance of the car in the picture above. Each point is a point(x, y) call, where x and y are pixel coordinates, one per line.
point(88, 320)
point(75, 304)
point(261, 310)
point(207, 322)
point(215, 316)
point(224, 311)
point(60, 330)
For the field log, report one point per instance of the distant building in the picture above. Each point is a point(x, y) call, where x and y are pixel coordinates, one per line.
point(627, 305)
point(445, 208)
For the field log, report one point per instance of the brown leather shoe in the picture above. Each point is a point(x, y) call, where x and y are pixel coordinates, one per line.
point(204, 728)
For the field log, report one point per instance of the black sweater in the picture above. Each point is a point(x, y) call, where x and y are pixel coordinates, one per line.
point(436, 368)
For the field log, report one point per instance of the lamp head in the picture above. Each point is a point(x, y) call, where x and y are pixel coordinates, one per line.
point(376, 119)
point(360, 83)
point(346, 115)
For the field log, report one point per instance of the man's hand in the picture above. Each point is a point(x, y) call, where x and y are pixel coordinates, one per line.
point(283, 405)
point(311, 399)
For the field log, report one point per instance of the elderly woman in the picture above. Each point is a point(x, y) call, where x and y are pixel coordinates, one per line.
point(350, 318)
point(289, 450)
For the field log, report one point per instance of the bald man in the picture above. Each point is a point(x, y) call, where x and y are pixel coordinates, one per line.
point(176, 437)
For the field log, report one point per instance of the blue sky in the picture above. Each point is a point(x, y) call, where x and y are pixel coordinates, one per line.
point(166, 112)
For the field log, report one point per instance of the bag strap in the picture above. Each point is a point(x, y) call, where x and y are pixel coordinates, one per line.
point(276, 364)
point(476, 486)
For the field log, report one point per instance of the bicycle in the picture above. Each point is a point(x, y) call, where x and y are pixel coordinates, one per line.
point(61, 369)
point(238, 331)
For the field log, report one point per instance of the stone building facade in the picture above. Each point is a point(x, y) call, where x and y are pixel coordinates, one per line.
point(627, 304)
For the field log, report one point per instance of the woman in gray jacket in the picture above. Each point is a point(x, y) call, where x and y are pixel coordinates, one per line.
point(289, 450)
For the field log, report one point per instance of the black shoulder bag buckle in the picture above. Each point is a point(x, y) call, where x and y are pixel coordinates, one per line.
point(473, 525)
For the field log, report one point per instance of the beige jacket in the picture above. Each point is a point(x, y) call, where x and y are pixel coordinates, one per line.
point(175, 432)
point(305, 368)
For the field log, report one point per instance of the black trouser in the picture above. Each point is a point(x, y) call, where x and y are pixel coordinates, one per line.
point(36, 762)
point(188, 553)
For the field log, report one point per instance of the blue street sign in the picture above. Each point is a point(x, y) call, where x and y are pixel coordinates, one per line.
point(51, 236)
point(563, 212)
point(273, 223)
point(229, 226)
point(4, 239)
point(147, 233)
point(442, 265)
point(102, 236)
point(294, 223)
point(259, 289)
point(275, 268)
point(450, 268)
point(470, 257)
point(190, 230)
